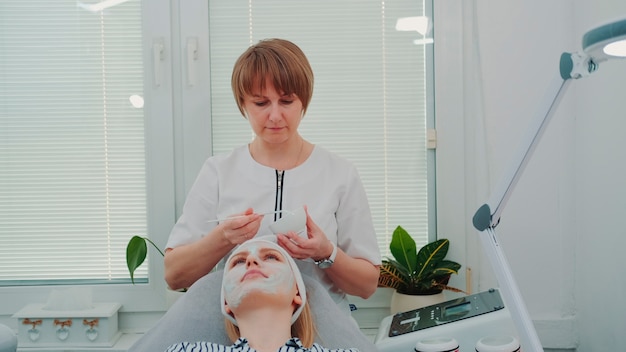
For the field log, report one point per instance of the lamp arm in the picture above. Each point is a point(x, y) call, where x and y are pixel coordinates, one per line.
point(571, 66)
point(529, 340)
point(488, 215)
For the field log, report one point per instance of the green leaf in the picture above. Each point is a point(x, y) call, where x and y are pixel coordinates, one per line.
point(136, 252)
point(390, 276)
point(430, 256)
point(400, 269)
point(403, 248)
point(447, 267)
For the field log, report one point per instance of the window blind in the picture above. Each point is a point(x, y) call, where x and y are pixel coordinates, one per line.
point(72, 155)
point(370, 99)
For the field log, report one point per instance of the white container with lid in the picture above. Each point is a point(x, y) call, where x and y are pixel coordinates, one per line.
point(437, 344)
point(499, 343)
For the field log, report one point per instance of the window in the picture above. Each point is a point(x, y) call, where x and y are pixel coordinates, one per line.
point(72, 147)
point(82, 169)
point(370, 102)
point(79, 154)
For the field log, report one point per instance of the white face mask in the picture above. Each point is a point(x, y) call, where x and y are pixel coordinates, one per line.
point(269, 274)
point(257, 267)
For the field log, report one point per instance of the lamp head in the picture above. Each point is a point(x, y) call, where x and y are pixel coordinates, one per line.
point(606, 41)
point(599, 44)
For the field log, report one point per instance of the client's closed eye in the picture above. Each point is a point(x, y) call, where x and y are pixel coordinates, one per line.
point(237, 260)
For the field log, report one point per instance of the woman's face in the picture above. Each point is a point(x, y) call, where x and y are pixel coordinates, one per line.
point(257, 268)
point(274, 116)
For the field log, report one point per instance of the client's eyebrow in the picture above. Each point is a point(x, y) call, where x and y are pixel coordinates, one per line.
point(267, 250)
point(262, 251)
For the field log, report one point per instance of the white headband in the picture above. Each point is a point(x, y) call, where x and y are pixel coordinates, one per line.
point(271, 242)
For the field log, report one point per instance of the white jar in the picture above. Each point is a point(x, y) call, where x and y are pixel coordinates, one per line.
point(498, 343)
point(437, 344)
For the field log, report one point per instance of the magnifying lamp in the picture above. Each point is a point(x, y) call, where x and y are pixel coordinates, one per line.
point(599, 44)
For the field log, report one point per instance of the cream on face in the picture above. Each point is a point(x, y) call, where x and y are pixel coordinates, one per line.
point(256, 267)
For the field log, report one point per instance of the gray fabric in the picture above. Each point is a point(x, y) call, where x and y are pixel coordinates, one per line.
point(8, 339)
point(196, 316)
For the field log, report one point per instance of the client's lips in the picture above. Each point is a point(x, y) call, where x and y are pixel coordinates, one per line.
point(252, 273)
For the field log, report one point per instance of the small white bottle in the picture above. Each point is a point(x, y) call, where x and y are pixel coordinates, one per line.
point(437, 344)
point(498, 343)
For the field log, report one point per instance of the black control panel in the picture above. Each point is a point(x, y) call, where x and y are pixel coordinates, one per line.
point(446, 312)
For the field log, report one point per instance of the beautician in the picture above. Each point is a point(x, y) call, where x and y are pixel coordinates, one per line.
point(277, 171)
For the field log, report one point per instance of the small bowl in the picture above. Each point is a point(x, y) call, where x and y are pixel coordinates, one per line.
point(291, 221)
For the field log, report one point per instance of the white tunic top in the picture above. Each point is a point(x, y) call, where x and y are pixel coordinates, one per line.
point(327, 184)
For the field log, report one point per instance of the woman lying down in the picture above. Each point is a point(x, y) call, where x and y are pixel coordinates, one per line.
point(264, 301)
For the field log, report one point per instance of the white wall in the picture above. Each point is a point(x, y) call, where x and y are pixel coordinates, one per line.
point(601, 194)
point(563, 228)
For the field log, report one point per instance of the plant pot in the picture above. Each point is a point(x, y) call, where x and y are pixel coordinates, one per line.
point(403, 303)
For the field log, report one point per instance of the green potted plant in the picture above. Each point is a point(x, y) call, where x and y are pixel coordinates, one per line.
point(417, 273)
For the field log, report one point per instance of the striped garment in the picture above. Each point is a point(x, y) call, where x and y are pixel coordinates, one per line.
point(241, 345)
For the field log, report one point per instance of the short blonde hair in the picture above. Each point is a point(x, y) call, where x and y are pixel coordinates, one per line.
point(280, 60)
point(303, 328)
